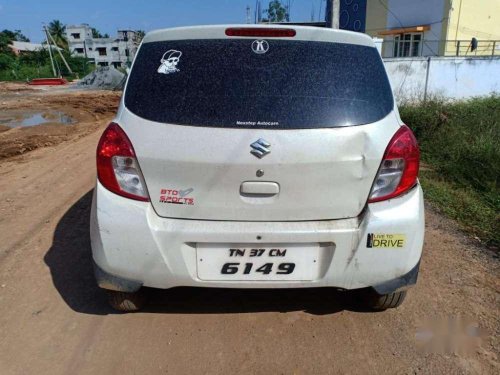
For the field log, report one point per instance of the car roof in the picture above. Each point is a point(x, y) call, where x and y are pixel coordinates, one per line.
point(307, 33)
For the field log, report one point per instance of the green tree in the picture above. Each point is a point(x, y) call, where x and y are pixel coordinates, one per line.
point(97, 34)
point(5, 41)
point(6, 61)
point(7, 37)
point(58, 31)
point(16, 35)
point(276, 12)
point(139, 35)
point(20, 37)
point(35, 58)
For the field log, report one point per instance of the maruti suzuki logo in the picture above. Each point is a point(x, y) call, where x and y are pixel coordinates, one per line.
point(260, 148)
point(260, 46)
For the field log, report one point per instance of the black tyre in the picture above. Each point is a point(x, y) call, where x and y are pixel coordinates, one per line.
point(385, 301)
point(127, 302)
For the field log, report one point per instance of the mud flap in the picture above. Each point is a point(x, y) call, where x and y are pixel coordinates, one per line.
point(111, 282)
point(400, 283)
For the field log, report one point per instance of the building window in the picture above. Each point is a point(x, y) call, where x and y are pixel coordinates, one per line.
point(103, 63)
point(102, 51)
point(79, 50)
point(117, 64)
point(75, 35)
point(408, 45)
point(114, 49)
point(127, 53)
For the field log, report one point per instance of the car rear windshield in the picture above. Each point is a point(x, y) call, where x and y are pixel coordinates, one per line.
point(248, 83)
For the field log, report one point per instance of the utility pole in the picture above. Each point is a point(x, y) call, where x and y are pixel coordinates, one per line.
point(332, 13)
point(248, 14)
point(58, 50)
point(50, 51)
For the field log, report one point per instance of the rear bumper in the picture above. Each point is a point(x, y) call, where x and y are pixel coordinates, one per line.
point(132, 246)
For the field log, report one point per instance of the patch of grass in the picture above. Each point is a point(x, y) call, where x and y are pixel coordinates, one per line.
point(460, 142)
point(37, 65)
point(463, 204)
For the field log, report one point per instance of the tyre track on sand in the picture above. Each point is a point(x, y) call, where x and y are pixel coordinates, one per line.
point(54, 320)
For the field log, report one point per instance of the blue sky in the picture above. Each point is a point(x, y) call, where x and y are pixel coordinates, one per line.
point(108, 16)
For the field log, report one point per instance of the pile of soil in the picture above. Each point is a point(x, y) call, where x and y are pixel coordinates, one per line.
point(103, 78)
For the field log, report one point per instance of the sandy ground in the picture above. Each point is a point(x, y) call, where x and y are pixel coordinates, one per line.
point(54, 320)
point(89, 108)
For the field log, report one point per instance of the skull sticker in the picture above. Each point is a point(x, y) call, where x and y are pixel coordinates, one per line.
point(169, 62)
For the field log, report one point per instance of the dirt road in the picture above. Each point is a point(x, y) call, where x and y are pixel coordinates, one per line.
point(54, 320)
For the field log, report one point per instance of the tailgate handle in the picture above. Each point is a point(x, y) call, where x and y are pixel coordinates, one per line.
point(259, 189)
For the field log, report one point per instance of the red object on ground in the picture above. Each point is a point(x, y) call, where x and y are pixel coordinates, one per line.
point(48, 81)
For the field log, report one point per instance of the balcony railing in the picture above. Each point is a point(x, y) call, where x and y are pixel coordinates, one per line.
point(483, 48)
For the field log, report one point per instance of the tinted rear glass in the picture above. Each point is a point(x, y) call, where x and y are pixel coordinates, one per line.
point(225, 83)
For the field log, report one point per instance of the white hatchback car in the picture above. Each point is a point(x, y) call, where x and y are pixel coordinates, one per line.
point(257, 157)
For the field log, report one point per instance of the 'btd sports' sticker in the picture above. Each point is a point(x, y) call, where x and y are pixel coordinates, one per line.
point(169, 62)
point(177, 196)
point(385, 240)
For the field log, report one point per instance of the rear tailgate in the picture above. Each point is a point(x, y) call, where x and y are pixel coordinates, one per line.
point(197, 102)
point(321, 173)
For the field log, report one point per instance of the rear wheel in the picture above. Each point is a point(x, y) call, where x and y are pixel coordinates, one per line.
point(127, 302)
point(385, 301)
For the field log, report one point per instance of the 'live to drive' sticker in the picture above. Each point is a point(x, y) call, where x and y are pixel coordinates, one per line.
point(383, 240)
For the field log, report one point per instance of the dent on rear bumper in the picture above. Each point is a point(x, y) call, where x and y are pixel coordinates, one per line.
point(129, 241)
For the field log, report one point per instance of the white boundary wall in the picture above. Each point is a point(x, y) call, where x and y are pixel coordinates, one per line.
point(448, 77)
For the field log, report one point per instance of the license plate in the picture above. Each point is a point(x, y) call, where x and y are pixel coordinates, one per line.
point(269, 262)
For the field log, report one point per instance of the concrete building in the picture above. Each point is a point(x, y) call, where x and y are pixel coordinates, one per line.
point(412, 28)
point(21, 47)
point(117, 52)
point(435, 27)
point(25, 47)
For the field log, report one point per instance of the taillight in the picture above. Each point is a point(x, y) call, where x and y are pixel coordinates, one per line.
point(261, 32)
point(399, 168)
point(117, 166)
